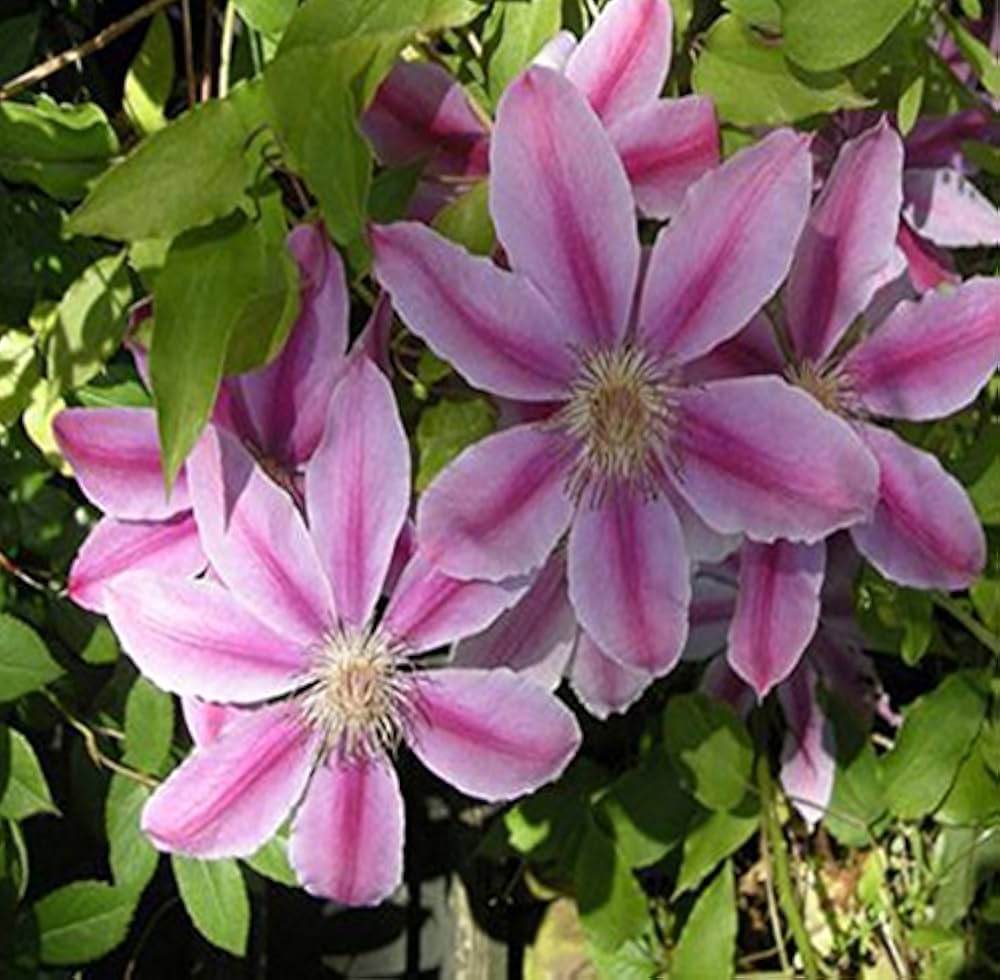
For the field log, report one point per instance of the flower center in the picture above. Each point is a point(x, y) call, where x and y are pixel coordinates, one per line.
point(620, 412)
point(359, 696)
point(828, 387)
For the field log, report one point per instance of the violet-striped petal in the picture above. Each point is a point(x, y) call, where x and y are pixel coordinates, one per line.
point(777, 610)
point(194, 638)
point(808, 757)
point(924, 532)
point(115, 456)
point(231, 795)
point(206, 720)
point(429, 609)
point(376, 335)
point(256, 540)
point(665, 146)
point(928, 266)
point(604, 686)
point(622, 62)
point(113, 548)
point(759, 456)
point(722, 683)
point(946, 207)
point(493, 734)
point(347, 837)
point(494, 326)
point(754, 350)
point(929, 359)
point(728, 248)
point(562, 205)
point(713, 602)
point(358, 489)
point(535, 637)
point(629, 579)
point(500, 507)
point(847, 248)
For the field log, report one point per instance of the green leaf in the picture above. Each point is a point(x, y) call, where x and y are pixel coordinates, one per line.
point(82, 921)
point(513, 34)
point(149, 727)
point(979, 57)
point(151, 78)
point(974, 797)
point(707, 944)
point(391, 192)
point(820, 35)
point(18, 373)
point(765, 14)
point(910, 99)
point(445, 429)
point(271, 860)
point(711, 837)
point(710, 748)
point(963, 857)
point(918, 625)
point(467, 221)
point(59, 148)
point(25, 664)
point(752, 83)
point(215, 897)
point(190, 173)
point(23, 790)
point(132, 857)
point(18, 34)
point(985, 596)
point(91, 320)
point(937, 732)
point(270, 17)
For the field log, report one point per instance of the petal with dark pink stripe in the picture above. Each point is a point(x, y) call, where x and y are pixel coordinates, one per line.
point(604, 686)
point(754, 350)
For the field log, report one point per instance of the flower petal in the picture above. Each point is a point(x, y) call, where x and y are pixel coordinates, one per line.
point(754, 350)
point(622, 62)
point(347, 838)
point(924, 532)
point(713, 602)
point(194, 638)
point(777, 610)
point(205, 720)
point(927, 265)
point(562, 205)
point(665, 146)
point(257, 541)
point(114, 547)
point(728, 248)
point(492, 734)
point(701, 541)
point(946, 207)
point(358, 489)
point(603, 685)
point(632, 599)
point(499, 508)
point(759, 456)
point(930, 359)
point(230, 796)
point(722, 683)
point(555, 52)
point(535, 637)
point(115, 455)
point(848, 245)
point(494, 326)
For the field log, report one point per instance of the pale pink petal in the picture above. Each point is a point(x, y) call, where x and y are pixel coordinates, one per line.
point(808, 757)
point(701, 541)
point(358, 489)
point(281, 409)
point(754, 350)
point(205, 720)
point(492, 734)
point(555, 52)
point(924, 532)
point(665, 147)
point(931, 358)
point(759, 456)
point(604, 686)
point(169, 547)
point(562, 205)
point(713, 601)
point(230, 796)
point(535, 637)
point(115, 455)
point(928, 265)
point(494, 326)
point(622, 62)
point(722, 683)
point(347, 837)
point(194, 638)
point(728, 249)
point(257, 541)
point(946, 207)
point(776, 612)
point(404, 549)
point(846, 251)
point(500, 507)
point(629, 579)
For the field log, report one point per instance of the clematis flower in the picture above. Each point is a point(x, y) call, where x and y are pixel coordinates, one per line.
point(627, 434)
point(926, 360)
point(331, 689)
point(620, 65)
point(277, 412)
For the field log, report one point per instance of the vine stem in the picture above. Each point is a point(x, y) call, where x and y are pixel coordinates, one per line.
point(980, 632)
point(226, 47)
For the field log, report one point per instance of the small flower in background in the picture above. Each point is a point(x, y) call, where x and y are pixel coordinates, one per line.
point(331, 690)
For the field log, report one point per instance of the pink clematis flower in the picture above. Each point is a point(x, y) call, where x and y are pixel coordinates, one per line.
point(334, 689)
point(620, 65)
point(926, 360)
point(277, 412)
point(571, 324)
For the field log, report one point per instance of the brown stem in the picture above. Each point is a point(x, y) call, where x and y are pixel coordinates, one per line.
point(192, 83)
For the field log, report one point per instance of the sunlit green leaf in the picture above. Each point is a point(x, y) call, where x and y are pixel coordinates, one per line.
point(23, 789)
point(707, 945)
point(215, 897)
point(150, 77)
point(82, 921)
point(25, 664)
